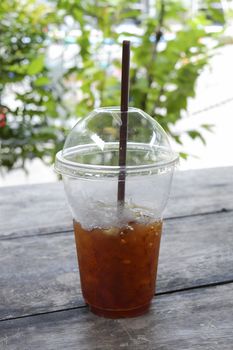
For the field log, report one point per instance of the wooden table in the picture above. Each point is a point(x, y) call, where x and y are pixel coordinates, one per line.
point(41, 306)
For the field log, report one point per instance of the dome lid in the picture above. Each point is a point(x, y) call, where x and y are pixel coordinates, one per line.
point(92, 146)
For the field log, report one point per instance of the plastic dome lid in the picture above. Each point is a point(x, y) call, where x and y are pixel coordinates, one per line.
point(92, 146)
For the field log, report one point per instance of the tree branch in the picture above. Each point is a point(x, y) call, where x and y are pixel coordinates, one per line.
point(158, 34)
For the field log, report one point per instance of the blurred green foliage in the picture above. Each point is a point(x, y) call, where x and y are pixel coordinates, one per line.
point(30, 130)
point(169, 50)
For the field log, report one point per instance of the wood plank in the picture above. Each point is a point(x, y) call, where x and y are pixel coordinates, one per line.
point(43, 208)
point(40, 273)
point(199, 319)
point(201, 191)
point(33, 208)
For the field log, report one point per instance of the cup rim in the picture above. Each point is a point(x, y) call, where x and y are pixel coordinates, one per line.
point(64, 166)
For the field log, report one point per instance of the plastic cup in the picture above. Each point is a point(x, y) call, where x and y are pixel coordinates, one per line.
point(117, 243)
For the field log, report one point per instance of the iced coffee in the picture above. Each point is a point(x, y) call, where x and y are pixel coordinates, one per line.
point(117, 236)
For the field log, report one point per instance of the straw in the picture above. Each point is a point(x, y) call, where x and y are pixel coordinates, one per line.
point(124, 120)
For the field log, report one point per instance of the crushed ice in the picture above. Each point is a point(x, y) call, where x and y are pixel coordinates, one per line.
point(106, 216)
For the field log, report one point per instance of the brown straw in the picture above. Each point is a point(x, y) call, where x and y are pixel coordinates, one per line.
point(124, 120)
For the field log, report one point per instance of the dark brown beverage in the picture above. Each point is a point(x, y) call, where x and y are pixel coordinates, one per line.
point(118, 267)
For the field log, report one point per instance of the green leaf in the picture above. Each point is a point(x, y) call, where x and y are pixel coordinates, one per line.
point(36, 66)
point(177, 139)
point(41, 81)
point(183, 155)
point(196, 134)
point(208, 127)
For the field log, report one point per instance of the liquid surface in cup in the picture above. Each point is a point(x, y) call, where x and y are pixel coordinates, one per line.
point(118, 267)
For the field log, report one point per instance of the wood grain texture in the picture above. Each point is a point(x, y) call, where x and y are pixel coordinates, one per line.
point(35, 209)
point(201, 191)
point(195, 320)
point(39, 273)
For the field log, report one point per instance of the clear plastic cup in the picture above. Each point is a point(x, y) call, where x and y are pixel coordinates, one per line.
point(117, 243)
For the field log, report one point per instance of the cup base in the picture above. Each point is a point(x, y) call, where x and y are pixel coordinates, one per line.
point(114, 314)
